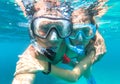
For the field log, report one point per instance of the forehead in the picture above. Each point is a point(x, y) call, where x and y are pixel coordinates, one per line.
point(81, 16)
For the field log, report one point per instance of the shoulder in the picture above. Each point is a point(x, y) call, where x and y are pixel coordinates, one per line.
point(30, 51)
point(99, 44)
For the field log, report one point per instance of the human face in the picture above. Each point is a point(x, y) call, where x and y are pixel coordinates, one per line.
point(49, 26)
point(45, 31)
point(83, 28)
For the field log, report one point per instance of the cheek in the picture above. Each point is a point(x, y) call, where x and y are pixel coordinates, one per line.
point(86, 42)
point(41, 42)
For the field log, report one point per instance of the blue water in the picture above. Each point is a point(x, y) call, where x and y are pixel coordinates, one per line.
point(14, 40)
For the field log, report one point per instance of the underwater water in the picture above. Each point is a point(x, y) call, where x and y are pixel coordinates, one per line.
point(14, 39)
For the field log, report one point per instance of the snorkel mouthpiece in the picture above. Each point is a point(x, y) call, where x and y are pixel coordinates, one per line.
point(48, 52)
point(79, 49)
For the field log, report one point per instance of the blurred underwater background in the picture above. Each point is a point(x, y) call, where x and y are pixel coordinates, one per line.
point(14, 39)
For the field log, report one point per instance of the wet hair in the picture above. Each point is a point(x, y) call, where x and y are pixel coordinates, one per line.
point(64, 8)
point(28, 4)
point(95, 8)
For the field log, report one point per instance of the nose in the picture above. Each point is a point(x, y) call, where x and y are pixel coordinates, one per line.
point(53, 35)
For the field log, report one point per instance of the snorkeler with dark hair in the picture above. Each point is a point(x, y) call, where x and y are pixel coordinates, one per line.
point(60, 33)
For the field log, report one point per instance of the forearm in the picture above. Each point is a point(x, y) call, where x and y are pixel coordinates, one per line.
point(64, 74)
point(76, 73)
point(23, 79)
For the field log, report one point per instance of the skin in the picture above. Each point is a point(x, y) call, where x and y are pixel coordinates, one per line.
point(31, 62)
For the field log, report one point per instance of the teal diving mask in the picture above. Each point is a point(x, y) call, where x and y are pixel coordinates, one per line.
point(81, 33)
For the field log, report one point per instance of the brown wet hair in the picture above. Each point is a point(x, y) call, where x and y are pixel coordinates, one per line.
point(81, 15)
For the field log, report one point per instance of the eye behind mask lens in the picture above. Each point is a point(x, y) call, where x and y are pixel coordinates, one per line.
point(87, 31)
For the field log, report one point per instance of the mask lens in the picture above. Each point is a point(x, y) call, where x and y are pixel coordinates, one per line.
point(41, 31)
point(43, 26)
point(87, 31)
point(64, 29)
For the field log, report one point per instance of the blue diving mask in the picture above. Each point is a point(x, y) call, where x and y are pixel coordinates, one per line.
point(83, 32)
point(80, 33)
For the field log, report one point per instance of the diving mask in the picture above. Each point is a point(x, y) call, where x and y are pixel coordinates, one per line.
point(81, 32)
point(42, 26)
point(85, 31)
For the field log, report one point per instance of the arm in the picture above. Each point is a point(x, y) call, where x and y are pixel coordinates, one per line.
point(27, 66)
point(24, 79)
point(98, 50)
point(78, 70)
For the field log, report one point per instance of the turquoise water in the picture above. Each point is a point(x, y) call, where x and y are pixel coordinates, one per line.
point(14, 39)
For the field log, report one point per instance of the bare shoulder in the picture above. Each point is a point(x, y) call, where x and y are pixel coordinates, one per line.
point(29, 62)
point(99, 44)
point(30, 51)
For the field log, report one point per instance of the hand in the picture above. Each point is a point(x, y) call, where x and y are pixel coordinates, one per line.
point(28, 64)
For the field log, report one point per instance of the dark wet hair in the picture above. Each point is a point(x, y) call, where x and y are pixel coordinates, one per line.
point(64, 8)
point(94, 7)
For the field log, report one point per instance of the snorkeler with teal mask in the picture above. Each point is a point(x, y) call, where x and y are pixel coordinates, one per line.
point(84, 32)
